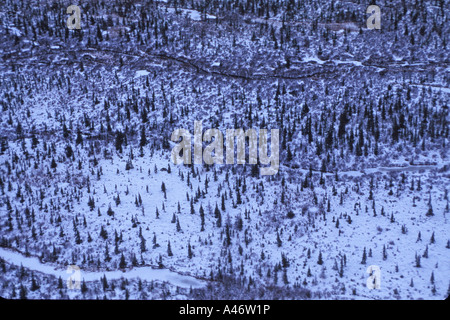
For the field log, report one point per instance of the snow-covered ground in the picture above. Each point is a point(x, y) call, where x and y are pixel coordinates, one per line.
point(85, 143)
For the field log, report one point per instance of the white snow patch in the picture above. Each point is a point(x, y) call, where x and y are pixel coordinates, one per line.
point(356, 63)
point(192, 14)
point(313, 59)
point(141, 73)
point(15, 31)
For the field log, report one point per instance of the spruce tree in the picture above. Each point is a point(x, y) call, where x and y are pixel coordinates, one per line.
point(219, 219)
point(34, 285)
point(79, 139)
point(60, 283)
point(418, 265)
point(110, 211)
point(190, 253)
point(84, 287)
point(53, 164)
point(320, 261)
point(430, 211)
point(425, 253)
point(107, 256)
point(202, 217)
point(279, 242)
point(143, 142)
point(103, 233)
point(169, 250)
point(22, 292)
point(364, 257)
point(122, 264)
point(104, 283)
point(227, 234)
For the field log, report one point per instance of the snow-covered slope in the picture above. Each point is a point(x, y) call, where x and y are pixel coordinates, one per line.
point(86, 176)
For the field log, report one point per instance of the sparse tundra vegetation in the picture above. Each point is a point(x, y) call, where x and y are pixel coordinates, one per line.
point(87, 179)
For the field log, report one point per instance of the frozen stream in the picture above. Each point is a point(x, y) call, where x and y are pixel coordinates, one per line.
point(144, 273)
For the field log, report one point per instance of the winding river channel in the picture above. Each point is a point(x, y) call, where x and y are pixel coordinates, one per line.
point(144, 273)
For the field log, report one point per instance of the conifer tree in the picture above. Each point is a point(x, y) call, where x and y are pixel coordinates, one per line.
point(122, 264)
point(418, 265)
point(178, 225)
point(190, 253)
point(143, 246)
point(430, 211)
point(79, 139)
point(364, 257)
point(34, 285)
point(22, 292)
point(143, 142)
point(227, 234)
point(425, 253)
point(163, 189)
point(107, 256)
point(320, 261)
point(53, 164)
point(279, 242)
point(84, 287)
point(202, 217)
point(169, 250)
